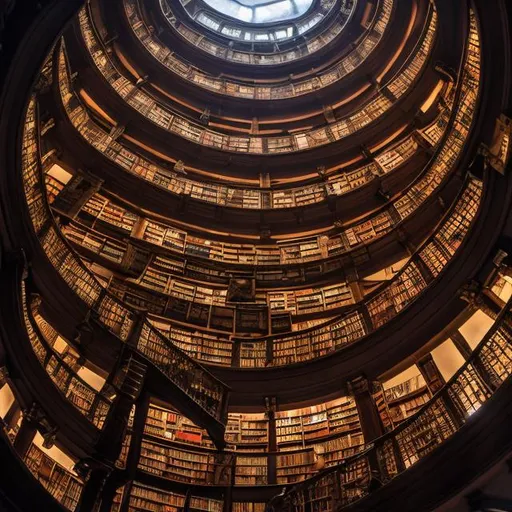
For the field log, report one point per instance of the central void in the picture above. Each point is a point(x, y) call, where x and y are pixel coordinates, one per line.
point(261, 11)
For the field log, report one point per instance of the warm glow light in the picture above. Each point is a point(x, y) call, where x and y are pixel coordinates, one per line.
point(261, 11)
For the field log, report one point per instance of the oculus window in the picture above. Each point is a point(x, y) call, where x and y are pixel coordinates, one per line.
point(261, 11)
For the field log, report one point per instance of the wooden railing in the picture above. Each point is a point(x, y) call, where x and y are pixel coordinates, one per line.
point(240, 51)
point(327, 17)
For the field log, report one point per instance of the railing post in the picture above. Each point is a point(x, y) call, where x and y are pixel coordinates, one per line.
point(399, 460)
point(136, 330)
point(430, 372)
point(270, 406)
point(478, 365)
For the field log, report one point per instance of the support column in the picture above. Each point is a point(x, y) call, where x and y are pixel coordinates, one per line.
point(270, 403)
point(430, 372)
point(228, 496)
point(139, 421)
point(108, 494)
point(435, 382)
point(371, 423)
point(465, 349)
point(462, 345)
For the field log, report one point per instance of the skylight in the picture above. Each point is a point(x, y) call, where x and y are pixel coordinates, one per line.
point(261, 11)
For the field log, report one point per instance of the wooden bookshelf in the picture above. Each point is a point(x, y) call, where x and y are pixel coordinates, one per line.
point(173, 426)
point(148, 499)
point(251, 470)
point(65, 487)
point(404, 399)
point(179, 464)
point(306, 426)
point(248, 507)
point(247, 430)
point(205, 505)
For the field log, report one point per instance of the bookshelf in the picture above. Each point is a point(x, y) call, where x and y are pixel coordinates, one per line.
point(65, 487)
point(181, 465)
point(308, 440)
point(149, 499)
point(211, 348)
point(251, 470)
point(405, 398)
point(97, 243)
point(239, 506)
point(205, 505)
point(247, 431)
point(295, 467)
point(305, 426)
point(169, 424)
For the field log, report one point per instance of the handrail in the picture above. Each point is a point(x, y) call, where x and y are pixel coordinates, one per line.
point(446, 413)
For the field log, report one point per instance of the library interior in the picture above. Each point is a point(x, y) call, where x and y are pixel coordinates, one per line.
point(256, 255)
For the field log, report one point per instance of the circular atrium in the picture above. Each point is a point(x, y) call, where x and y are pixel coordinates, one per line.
point(256, 256)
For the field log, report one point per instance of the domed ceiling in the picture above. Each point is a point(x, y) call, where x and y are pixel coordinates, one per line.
point(261, 11)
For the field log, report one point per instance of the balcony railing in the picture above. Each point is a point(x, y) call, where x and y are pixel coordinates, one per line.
point(442, 417)
point(116, 317)
point(93, 404)
point(242, 35)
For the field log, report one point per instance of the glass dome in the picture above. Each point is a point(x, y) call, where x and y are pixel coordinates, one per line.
point(261, 11)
